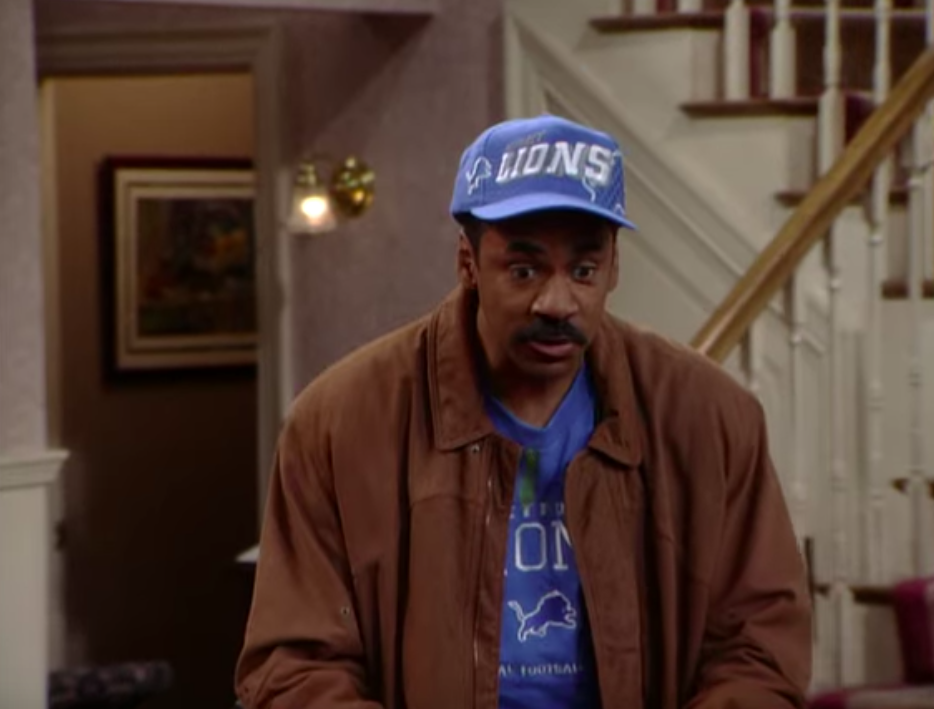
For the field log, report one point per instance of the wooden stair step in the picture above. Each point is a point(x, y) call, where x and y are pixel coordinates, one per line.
point(802, 15)
point(902, 484)
point(815, 4)
point(871, 595)
point(659, 21)
point(897, 289)
point(864, 594)
point(713, 19)
point(898, 196)
point(858, 107)
point(754, 107)
point(898, 4)
point(857, 31)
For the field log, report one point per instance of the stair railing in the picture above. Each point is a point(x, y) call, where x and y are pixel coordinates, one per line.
point(782, 53)
point(845, 173)
point(811, 221)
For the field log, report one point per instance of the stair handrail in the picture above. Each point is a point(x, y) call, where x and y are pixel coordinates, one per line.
point(824, 202)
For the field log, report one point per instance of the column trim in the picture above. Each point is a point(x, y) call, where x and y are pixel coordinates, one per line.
point(259, 48)
point(31, 469)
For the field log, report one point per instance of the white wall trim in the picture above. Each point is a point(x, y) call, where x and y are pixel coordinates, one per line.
point(385, 7)
point(32, 469)
point(80, 51)
point(258, 49)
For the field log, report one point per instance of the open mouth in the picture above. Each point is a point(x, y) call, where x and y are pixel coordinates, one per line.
point(553, 349)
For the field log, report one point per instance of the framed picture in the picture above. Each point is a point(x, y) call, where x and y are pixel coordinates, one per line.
point(179, 264)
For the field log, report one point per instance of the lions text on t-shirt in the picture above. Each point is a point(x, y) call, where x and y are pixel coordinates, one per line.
point(546, 657)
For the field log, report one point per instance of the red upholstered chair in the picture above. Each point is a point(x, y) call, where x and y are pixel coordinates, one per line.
point(913, 603)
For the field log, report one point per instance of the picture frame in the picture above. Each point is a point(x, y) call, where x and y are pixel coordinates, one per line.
point(178, 264)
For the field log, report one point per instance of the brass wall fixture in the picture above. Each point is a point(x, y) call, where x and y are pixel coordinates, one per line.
point(318, 205)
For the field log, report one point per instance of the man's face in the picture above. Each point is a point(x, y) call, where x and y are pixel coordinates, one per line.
point(542, 282)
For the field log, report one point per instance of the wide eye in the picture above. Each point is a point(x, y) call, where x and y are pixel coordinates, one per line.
point(522, 272)
point(584, 272)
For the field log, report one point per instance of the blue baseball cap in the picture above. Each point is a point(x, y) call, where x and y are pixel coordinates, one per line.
point(533, 164)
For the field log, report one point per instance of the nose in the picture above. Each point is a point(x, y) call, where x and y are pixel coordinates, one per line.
point(555, 300)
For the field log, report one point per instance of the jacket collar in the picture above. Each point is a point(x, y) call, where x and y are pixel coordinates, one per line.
point(457, 408)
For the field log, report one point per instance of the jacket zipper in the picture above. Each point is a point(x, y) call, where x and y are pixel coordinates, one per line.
point(488, 513)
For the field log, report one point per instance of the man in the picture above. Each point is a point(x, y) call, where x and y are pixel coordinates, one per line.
point(520, 501)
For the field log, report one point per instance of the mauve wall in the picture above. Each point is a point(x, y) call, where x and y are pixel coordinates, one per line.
point(406, 94)
point(22, 356)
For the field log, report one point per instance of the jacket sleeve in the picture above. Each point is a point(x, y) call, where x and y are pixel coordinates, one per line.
point(302, 648)
point(756, 652)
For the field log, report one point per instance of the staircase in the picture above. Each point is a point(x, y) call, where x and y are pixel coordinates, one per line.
point(736, 118)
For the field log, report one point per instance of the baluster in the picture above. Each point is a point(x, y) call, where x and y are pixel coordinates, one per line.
point(874, 411)
point(830, 116)
point(882, 70)
point(752, 359)
point(927, 244)
point(927, 241)
point(919, 225)
point(690, 5)
point(874, 394)
point(737, 51)
point(830, 144)
point(782, 51)
point(644, 7)
point(838, 475)
point(794, 309)
point(921, 156)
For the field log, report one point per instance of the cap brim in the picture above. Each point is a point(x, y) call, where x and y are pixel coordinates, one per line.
point(540, 202)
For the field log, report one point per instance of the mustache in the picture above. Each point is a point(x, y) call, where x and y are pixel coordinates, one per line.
point(550, 330)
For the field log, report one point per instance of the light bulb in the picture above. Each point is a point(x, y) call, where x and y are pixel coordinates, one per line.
point(315, 207)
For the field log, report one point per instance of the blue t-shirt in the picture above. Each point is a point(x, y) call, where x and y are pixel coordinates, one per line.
point(546, 653)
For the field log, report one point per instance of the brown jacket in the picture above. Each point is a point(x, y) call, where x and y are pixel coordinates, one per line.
point(381, 562)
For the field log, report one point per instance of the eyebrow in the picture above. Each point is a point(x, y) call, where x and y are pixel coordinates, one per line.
point(585, 244)
point(522, 246)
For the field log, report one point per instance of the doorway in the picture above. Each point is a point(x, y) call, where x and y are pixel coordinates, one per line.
point(160, 493)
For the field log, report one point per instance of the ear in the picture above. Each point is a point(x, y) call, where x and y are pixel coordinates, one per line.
point(466, 264)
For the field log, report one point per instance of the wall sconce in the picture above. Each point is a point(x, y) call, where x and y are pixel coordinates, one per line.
point(318, 206)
